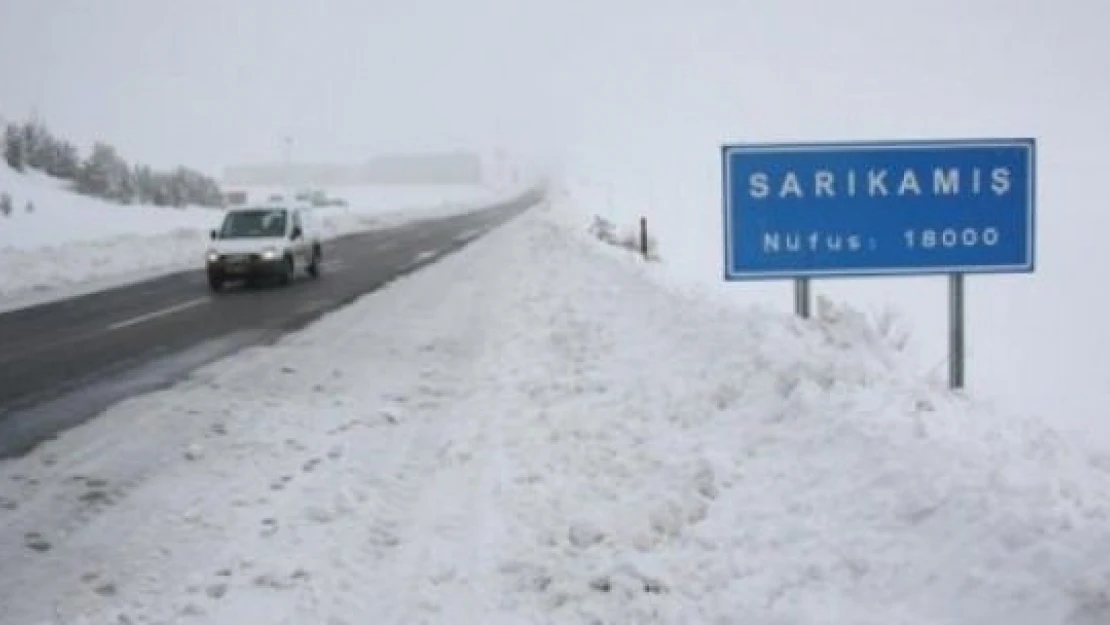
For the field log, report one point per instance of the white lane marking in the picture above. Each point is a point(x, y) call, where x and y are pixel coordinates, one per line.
point(158, 313)
point(470, 234)
point(421, 257)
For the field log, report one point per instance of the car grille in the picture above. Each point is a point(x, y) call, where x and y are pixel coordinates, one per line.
point(239, 258)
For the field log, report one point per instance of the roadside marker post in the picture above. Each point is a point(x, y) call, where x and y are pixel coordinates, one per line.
point(880, 208)
point(801, 297)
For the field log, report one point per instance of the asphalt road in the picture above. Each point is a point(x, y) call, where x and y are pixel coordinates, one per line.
point(62, 363)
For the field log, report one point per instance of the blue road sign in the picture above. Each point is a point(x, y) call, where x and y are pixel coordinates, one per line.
point(879, 208)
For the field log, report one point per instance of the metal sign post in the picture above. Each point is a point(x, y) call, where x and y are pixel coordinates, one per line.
point(801, 297)
point(880, 208)
point(956, 331)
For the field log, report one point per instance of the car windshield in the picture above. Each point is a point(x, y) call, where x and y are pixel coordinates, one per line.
point(254, 223)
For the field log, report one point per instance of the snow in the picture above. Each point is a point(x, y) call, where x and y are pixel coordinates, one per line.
point(558, 432)
point(553, 432)
point(62, 216)
point(670, 83)
point(72, 244)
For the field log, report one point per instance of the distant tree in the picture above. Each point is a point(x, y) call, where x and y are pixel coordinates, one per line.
point(104, 173)
point(5, 204)
point(38, 145)
point(65, 162)
point(14, 147)
point(179, 187)
point(100, 173)
point(162, 193)
point(144, 184)
point(30, 207)
point(127, 191)
point(192, 187)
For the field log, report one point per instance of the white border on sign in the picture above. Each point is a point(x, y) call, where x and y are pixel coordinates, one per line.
point(731, 274)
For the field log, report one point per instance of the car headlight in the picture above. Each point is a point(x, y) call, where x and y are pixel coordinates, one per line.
point(269, 254)
point(213, 257)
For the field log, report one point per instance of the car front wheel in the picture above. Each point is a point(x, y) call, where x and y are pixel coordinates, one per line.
point(287, 270)
point(314, 266)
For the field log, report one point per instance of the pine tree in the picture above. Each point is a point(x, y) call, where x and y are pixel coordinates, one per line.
point(104, 173)
point(5, 204)
point(127, 190)
point(66, 162)
point(99, 175)
point(13, 147)
point(37, 145)
point(179, 188)
point(160, 185)
point(144, 184)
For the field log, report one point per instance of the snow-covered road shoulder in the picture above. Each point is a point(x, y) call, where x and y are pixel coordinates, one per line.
point(533, 430)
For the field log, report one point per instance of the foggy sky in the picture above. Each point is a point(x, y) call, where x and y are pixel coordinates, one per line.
point(210, 82)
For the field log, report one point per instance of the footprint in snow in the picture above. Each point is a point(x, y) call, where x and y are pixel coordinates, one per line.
point(397, 398)
point(192, 609)
point(96, 497)
point(319, 514)
point(36, 542)
point(281, 582)
point(216, 591)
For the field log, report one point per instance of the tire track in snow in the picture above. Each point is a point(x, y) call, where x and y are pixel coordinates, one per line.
point(438, 570)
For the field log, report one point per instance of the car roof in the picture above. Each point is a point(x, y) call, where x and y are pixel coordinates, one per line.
point(258, 207)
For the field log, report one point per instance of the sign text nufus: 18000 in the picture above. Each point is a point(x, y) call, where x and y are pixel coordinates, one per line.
point(951, 237)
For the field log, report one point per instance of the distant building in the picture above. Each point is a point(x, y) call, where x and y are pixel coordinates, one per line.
point(235, 198)
point(448, 168)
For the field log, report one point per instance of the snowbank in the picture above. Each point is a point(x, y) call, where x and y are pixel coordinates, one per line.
point(62, 217)
point(72, 244)
point(547, 434)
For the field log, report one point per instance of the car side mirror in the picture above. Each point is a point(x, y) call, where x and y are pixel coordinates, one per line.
point(212, 234)
point(296, 234)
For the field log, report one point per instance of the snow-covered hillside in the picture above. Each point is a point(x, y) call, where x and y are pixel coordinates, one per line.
point(552, 433)
point(61, 216)
point(71, 243)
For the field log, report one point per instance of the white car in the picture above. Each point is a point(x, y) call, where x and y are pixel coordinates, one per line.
point(263, 242)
